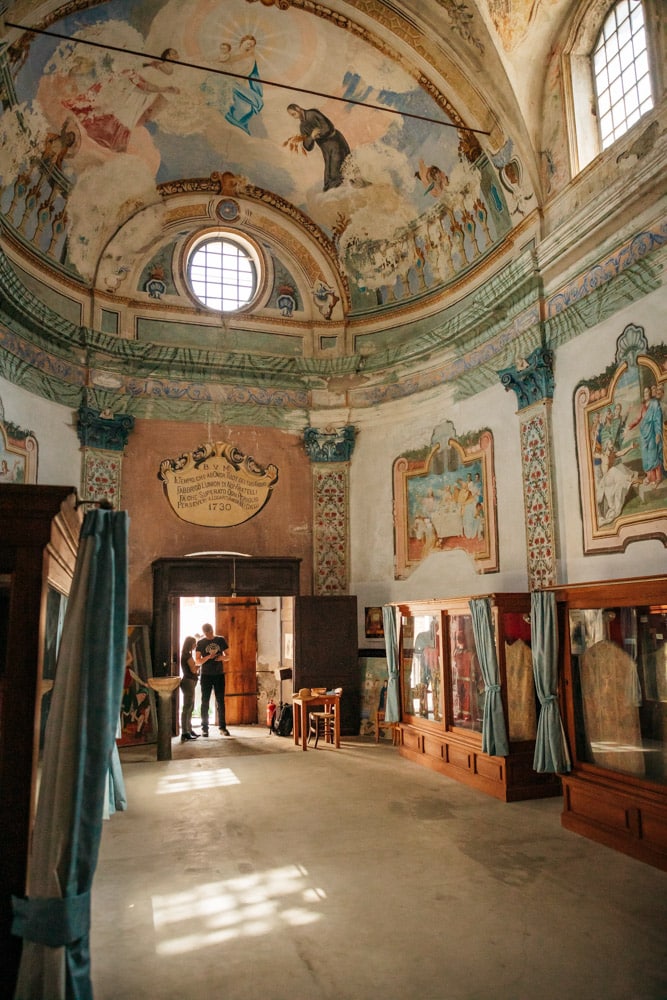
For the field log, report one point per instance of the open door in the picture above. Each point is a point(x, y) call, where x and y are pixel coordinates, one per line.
point(325, 652)
point(236, 619)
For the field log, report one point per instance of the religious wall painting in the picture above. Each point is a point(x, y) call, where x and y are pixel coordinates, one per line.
point(444, 499)
point(216, 485)
point(18, 454)
point(138, 718)
point(373, 666)
point(404, 191)
point(620, 429)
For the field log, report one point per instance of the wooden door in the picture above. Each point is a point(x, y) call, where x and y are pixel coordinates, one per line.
point(326, 652)
point(236, 620)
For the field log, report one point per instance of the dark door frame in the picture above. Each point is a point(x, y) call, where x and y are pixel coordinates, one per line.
point(217, 576)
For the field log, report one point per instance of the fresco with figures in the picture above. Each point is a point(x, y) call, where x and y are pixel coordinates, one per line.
point(18, 452)
point(444, 499)
point(113, 104)
point(620, 425)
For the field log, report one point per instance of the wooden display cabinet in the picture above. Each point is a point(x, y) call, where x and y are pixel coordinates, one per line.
point(442, 695)
point(39, 538)
point(613, 642)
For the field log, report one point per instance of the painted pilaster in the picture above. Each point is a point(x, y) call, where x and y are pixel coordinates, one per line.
point(103, 437)
point(330, 452)
point(532, 381)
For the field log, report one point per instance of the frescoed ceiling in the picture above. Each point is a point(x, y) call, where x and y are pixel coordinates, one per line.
point(374, 153)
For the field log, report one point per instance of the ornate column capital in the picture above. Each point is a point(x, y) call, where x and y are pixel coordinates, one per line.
point(330, 445)
point(102, 429)
point(531, 378)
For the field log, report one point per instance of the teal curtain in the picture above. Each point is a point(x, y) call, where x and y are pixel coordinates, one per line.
point(551, 753)
point(494, 730)
point(392, 711)
point(54, 920)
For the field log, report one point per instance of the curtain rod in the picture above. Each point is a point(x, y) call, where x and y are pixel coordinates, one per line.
point(241, 76)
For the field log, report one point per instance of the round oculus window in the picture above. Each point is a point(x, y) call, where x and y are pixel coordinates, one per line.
point(224, 272)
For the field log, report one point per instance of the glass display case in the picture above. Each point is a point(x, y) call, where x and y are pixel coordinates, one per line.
point(443, 693)
point(614, 668)
point(422, 687)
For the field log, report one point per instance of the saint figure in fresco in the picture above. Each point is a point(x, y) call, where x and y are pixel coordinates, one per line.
point(248, 100)
point(650, 422)
point(110, 110)
point(247, 96)
point(314, 127)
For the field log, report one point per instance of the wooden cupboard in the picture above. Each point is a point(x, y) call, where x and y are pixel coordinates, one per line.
point(442, 693)
point(326, 652)
point(613, 649)
point(39, 537)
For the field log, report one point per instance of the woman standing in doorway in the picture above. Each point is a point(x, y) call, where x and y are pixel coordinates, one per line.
point(190, 672)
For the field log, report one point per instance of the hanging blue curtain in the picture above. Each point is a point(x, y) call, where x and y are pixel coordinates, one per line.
point(551, 753)
point(54, 920)
point(392, 712)
point(494, 730)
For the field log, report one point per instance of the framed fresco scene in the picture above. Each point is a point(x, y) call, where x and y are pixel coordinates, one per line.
point(620, 429)
point(444, 498)
point(18, 454)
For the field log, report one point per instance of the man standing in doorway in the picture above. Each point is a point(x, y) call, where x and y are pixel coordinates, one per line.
point(211, 652)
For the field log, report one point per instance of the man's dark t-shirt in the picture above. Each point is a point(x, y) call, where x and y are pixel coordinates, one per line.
point(206, 646)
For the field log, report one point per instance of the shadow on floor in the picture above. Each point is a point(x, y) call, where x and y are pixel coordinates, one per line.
point(244, 741)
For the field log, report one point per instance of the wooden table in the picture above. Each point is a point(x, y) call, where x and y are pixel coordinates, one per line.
point(301, 709)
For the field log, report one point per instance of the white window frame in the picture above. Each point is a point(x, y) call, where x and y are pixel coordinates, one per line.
point(247, 246)
point(580, 99)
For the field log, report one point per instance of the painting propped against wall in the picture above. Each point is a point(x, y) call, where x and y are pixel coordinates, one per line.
point(444, 499)
point(620, 428)
point(138, 719)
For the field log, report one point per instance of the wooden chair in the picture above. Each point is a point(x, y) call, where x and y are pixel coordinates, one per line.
point(323, 722)
point(381, 724)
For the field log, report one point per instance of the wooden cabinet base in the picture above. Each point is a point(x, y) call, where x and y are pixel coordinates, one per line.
point(634, 821)
point(510, 779)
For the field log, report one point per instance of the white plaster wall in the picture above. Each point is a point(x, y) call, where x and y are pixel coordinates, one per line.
point(382, 437)
point(586, 356)
point(268, 634)
point(53, 425)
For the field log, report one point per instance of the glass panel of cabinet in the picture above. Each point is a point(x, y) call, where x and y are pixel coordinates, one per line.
point(619, 672)
point(420, 659)
point(614, 699)
point(443, 691)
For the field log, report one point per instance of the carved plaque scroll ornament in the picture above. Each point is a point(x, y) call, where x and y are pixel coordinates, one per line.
point(216, 485)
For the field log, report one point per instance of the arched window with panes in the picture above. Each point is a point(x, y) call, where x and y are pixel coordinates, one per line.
point(621, 71)
point(613, 73)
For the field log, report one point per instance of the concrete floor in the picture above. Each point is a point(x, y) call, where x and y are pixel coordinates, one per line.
point(247, 869)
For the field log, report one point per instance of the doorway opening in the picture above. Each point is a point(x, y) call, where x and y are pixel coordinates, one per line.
point(253, 628)
point(192, 613)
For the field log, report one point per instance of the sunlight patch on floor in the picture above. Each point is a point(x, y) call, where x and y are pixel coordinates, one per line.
point(193, 781)
point(247, 906)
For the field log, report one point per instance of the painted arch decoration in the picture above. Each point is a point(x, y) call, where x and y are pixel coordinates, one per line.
point(93, 130)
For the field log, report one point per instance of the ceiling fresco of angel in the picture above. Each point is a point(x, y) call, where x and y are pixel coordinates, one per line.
point(289, 101)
